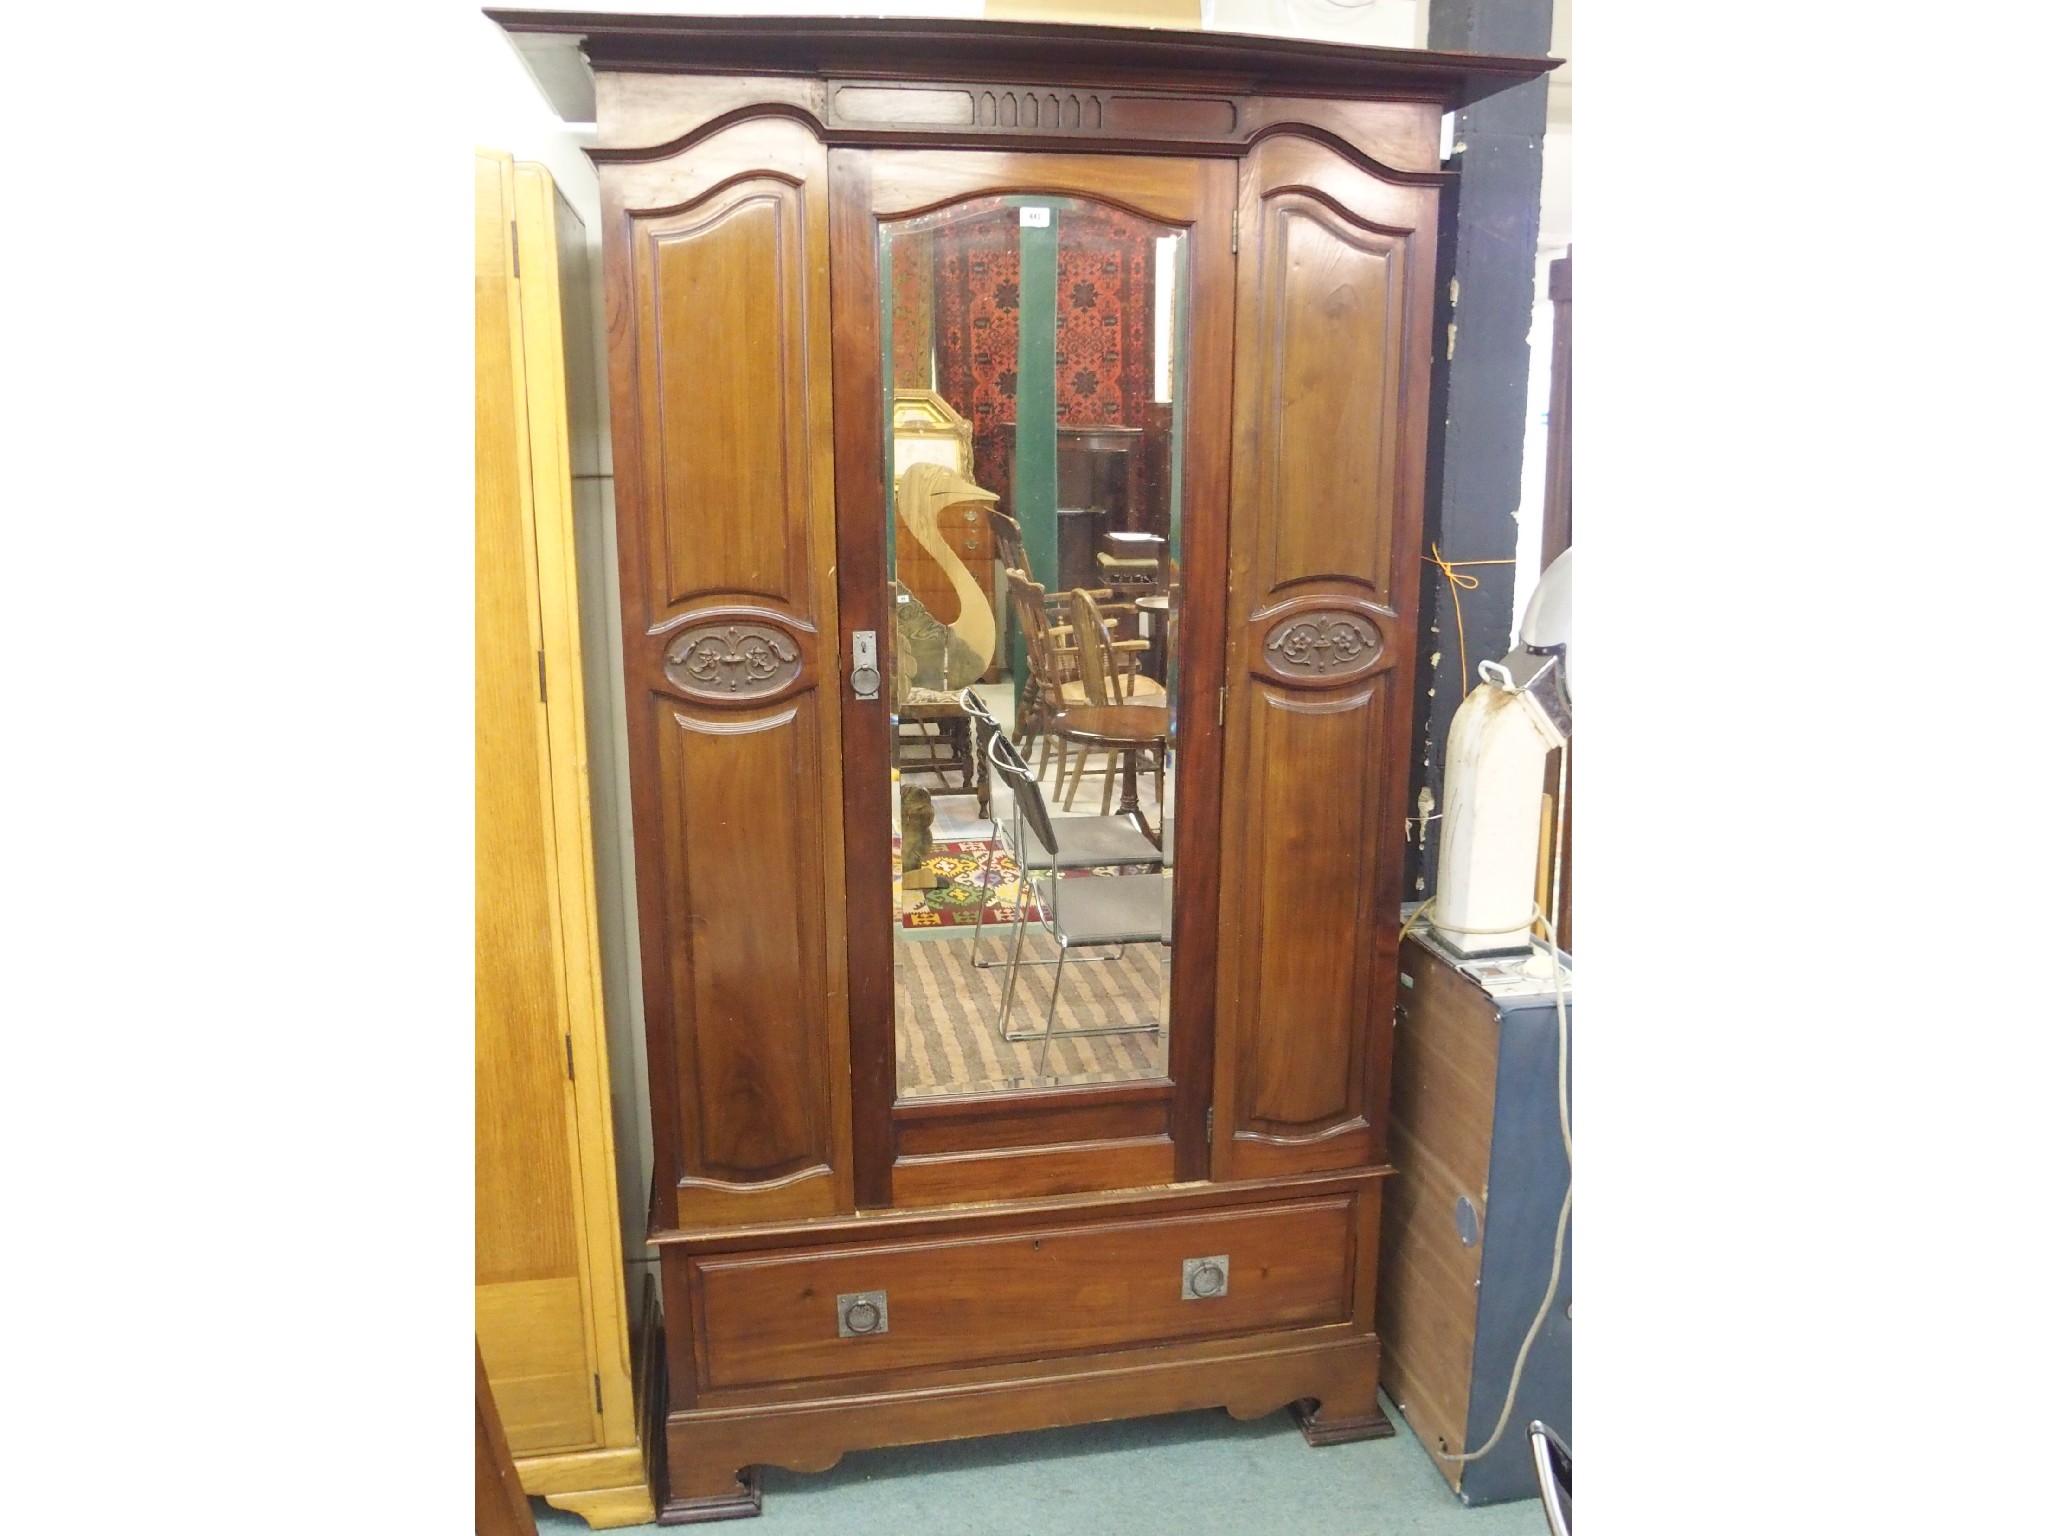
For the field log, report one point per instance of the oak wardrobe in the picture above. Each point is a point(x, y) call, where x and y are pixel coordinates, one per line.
point(1019, 436)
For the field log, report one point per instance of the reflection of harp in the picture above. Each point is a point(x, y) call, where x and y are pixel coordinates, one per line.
point(947, 628)
point(928, 430)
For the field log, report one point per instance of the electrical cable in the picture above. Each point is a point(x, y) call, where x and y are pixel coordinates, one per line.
point(1564, 1120)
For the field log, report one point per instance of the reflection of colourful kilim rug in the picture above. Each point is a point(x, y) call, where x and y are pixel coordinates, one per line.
point(952, 904)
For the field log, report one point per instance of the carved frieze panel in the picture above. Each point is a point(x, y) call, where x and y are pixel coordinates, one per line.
point(1019, 109)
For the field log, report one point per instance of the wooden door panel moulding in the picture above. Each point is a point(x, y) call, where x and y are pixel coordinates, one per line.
point(727, 444)
point(757, 1076)
point(719, 313)
point(1295, 1084)
point(1324, 560)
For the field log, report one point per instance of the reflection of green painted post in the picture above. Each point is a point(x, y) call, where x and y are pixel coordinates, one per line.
point(1035, 471)
point(1180, 437)
point(888, 266)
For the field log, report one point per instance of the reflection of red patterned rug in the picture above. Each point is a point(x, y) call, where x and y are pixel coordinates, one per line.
point(952, 905)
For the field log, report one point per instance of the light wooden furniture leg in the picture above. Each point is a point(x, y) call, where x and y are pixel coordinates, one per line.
point(608, 1488)
point(607, 1509)
point(1075, 783)
point(1109, 781)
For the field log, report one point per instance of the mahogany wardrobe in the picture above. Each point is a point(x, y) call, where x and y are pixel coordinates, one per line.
point(981, 1103)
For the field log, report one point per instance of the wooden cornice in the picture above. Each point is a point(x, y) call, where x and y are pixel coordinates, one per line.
point(561, 49)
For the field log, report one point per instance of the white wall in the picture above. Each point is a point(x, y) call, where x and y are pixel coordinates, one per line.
point(1553, 239)
point(1377, 23)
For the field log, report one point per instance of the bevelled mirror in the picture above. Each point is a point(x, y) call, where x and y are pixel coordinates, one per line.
point(1033, 380)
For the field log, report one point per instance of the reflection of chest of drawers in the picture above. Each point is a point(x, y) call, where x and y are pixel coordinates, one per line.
point(967, 534)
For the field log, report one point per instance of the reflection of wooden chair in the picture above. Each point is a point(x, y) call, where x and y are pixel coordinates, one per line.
point(1010, 550)
point(1104, 682)
point(1053, 668)
point(1009, 542)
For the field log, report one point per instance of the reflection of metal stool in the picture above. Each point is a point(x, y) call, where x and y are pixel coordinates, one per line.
point(1096, 913)
point(1086, 842)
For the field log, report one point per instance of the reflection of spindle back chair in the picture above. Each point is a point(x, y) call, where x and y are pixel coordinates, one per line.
point(1106, 684)
point(1053, 669)
point(1009, 541)
point(1011, 553)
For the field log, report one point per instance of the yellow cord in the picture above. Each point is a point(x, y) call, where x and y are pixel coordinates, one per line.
point(1421, 908)
point(1460, 581)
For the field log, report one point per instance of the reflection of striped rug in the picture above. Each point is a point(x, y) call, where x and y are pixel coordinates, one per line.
point(946, 1016)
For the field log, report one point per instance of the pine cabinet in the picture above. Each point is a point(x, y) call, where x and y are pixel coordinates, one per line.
point(970, 1121)
point(551, 1317)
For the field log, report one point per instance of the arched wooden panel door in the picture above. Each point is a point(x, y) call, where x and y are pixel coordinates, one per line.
point(721, 353)
point(1329, 439)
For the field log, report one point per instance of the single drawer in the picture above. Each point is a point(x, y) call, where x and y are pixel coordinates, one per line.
point(775, 1317)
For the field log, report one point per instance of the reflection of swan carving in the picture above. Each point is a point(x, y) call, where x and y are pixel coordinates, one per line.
point(925, 491)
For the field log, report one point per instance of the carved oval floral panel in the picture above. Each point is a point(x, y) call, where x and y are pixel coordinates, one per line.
point(1321, 645)
point(732, 659)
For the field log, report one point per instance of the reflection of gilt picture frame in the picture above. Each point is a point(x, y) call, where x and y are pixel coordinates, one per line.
point(929, 431)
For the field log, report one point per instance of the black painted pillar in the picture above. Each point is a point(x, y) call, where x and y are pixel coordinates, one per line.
point(1479, 404)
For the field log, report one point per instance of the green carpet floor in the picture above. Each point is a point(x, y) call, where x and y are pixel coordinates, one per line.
point(1186, 1474)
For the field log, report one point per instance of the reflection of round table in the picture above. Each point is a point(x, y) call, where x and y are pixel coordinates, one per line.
point(1126, 728)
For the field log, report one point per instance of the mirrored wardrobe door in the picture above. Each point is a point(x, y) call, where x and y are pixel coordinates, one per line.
point(1030, 777)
